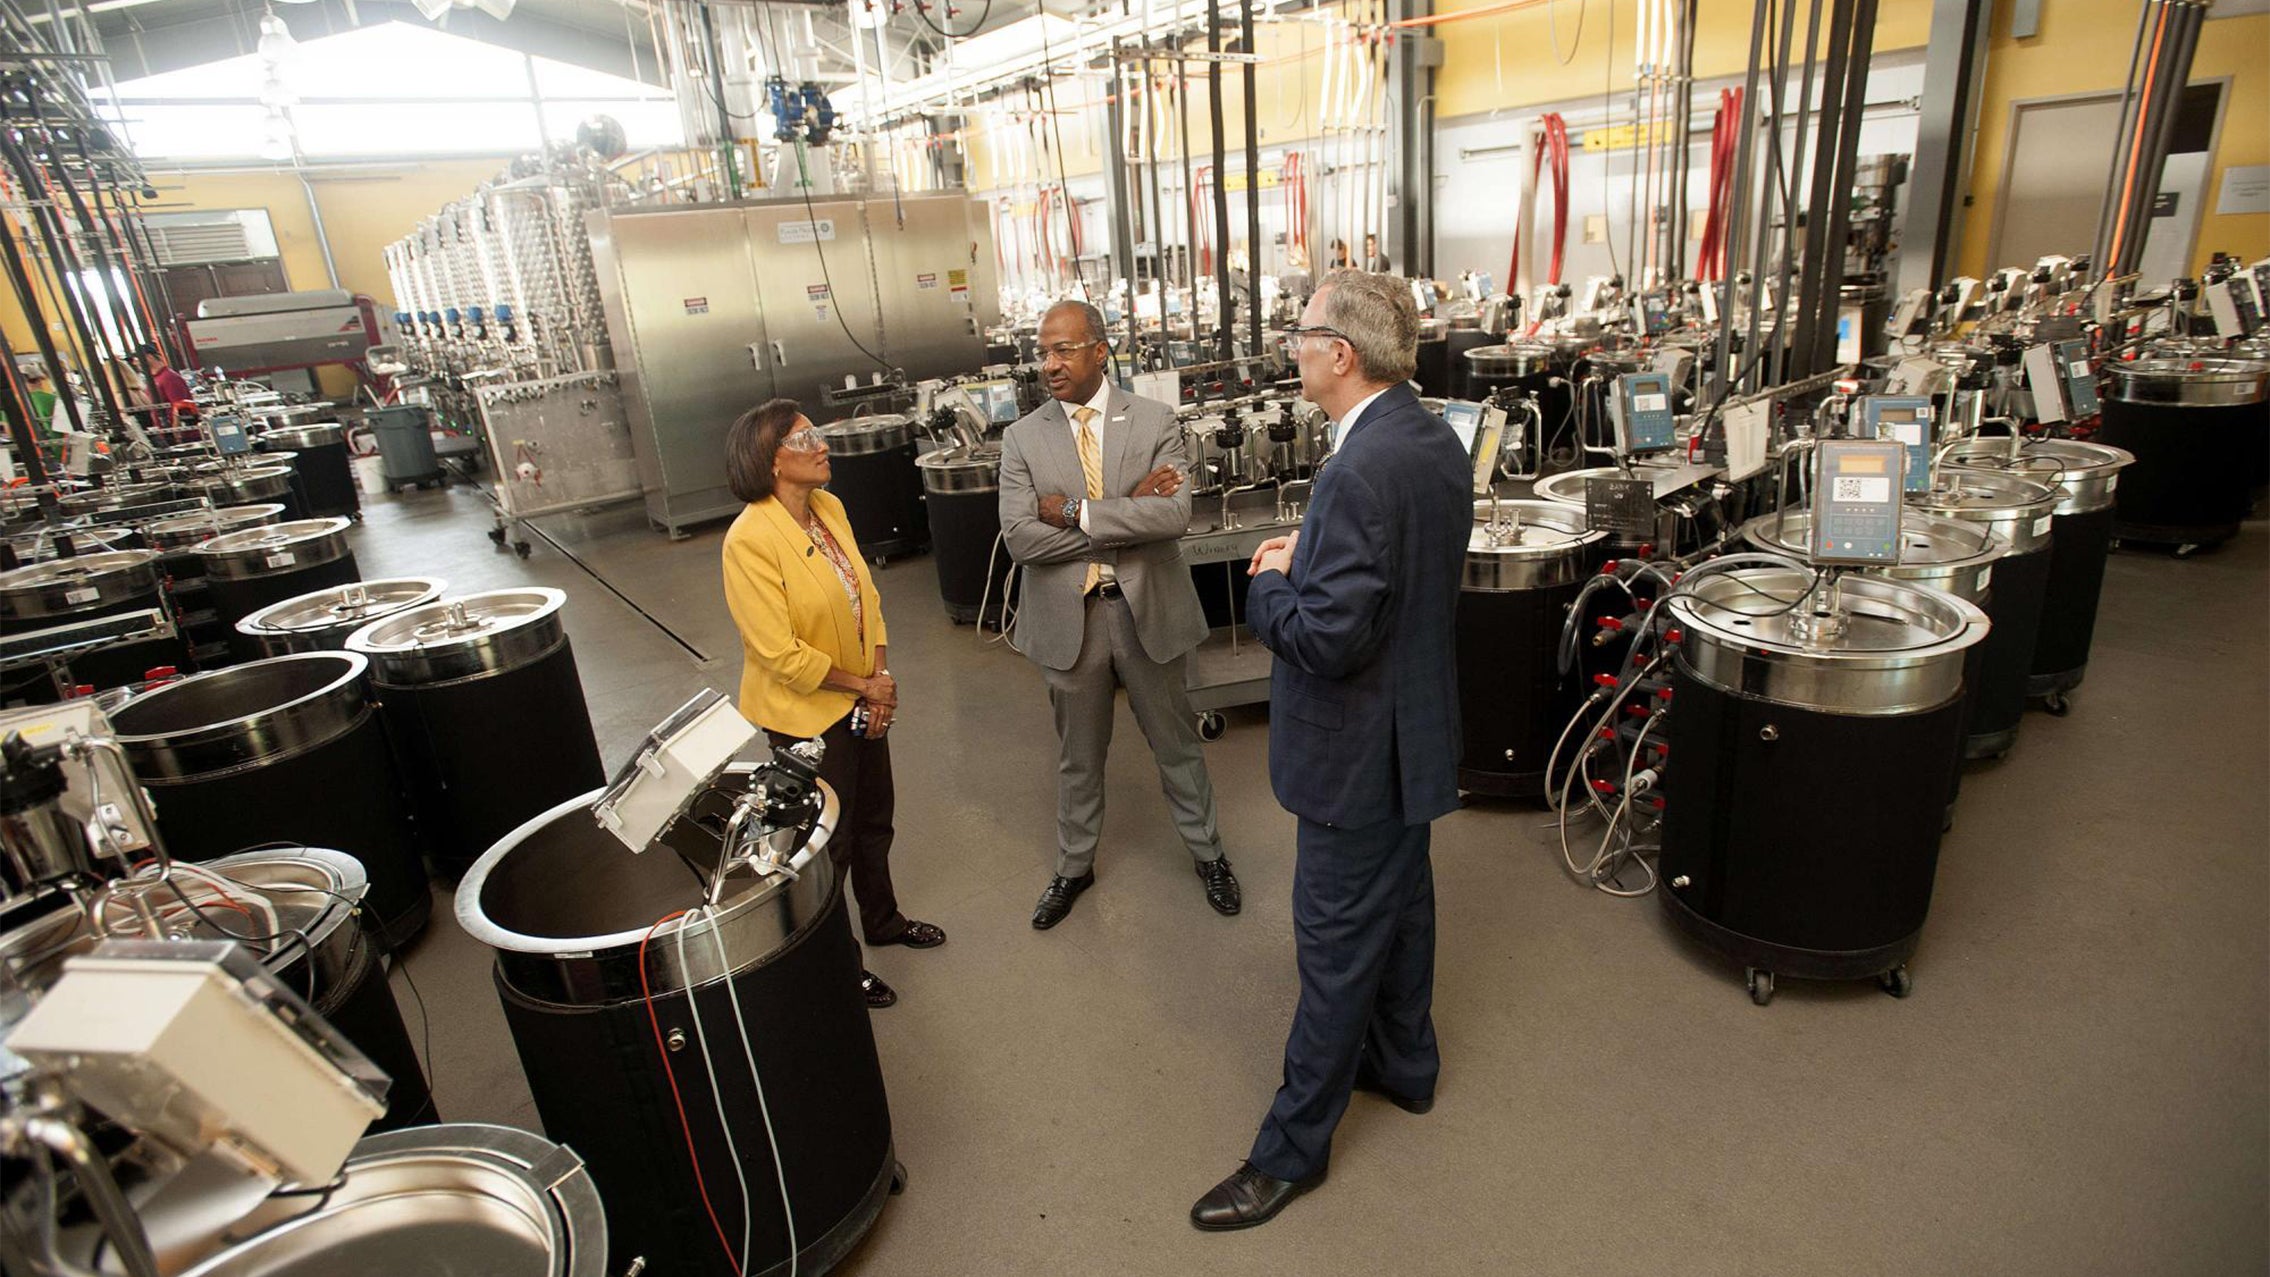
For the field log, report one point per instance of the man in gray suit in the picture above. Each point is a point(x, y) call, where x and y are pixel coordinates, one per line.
point(1107, 601)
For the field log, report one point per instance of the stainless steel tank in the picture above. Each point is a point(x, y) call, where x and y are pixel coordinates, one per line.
point(247, 570)
point(88, 587)
point(2021, 513)
point(1525, 563)
point(460, 1198)
point(1809, 765)
point(288, 750)
point(253, 485)
point(321, 621)
point(2200, 432)
point(456, 675)
point(871, 462)
point(2088, 477)
point(1685, 521)
point(601, 999)
point(324, 472)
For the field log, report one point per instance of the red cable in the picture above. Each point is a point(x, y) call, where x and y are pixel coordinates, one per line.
point(692, 1157)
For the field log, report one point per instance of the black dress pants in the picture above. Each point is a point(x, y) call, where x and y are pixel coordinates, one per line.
point(859, 771)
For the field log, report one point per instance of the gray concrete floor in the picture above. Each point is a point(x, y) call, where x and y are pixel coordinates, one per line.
point(2078, 1084)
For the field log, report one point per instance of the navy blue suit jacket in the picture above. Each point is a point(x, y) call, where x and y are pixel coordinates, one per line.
point(1363, 700)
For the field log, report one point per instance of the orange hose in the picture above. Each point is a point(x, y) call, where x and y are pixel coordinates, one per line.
point(2136, 143)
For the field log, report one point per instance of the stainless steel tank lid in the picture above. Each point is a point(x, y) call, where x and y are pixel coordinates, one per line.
point(2203, 381)
point(1875, 660)
point(2021, 509)
point(1926, 540)
point(1529, 530)
point(462, 1196)
point(957, 469)
point(1513, 359)
point(184, 531)
point(117, 494)
point(2087, 473)
point(268, 539)
point(313, 434)
point(456, 638)
point(357, 603)
point(1567, 487)
point(66, 585)
point(242, 716)
point(40, 544)
point(855, 436)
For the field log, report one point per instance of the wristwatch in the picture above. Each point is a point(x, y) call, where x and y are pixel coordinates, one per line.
point(1071, 512)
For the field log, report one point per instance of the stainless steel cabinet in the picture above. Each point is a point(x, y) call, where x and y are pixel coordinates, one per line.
point(715, 308)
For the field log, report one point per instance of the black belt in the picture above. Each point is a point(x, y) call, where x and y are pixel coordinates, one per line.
point(1107, 590)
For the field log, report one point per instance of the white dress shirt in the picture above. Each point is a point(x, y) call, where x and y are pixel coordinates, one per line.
point(1345, 424)
point(1100, 402)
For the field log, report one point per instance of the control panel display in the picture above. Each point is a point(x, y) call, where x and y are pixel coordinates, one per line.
point(1904, 420)
point(1641, 406)
point(1481, 430)
point(2080, 379)
point(996, 399)
point(1856, 501)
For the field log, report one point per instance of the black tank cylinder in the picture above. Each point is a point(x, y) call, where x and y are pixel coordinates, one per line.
point(590, 982)
point(487, 712)
point(176, 539)
point(285, 750)
point(963, 493)
point(1526, 561)
point(2021, 514)
point(325, 473)
point(249, 570)
point(871, 464)
point(2199, 430)
point(1808, 769)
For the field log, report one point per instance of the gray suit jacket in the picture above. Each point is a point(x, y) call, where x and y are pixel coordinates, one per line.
point(1138, 536)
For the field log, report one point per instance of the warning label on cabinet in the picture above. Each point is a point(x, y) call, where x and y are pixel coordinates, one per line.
point(817, 295)
point(926, 282)
point(957, 281)
point(697, 305)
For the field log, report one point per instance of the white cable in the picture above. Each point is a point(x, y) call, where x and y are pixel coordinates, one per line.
point(764, 1109)
point(717, 1096)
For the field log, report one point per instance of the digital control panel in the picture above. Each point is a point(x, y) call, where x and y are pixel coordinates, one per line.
point(229, 437)
point(1856, 501)
point(1641, 408)
point(1905, 420)
point(1481, 429)
point(2080, 378)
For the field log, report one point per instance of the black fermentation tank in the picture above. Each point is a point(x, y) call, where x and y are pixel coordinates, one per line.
point(1525, 563)
point(455, 677)
point(246, 571)
point(176, 539)
point(600, 989)
point(326, 474)
point(2021, 515)
point(87, 587)
point(2087, 477)
point(963, 492)
point(1810, 766)
point(872, 471)
point(2199, 430)
point(284, 750)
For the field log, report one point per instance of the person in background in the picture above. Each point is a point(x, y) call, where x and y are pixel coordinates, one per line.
point(1339, 255)
point(167, 387)
point(1107, 601)
point(41, 390)
point(1358, 608)
point(1374, 260)
point(813, 649)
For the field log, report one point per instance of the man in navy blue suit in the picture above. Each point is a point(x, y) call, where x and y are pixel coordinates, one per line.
point(1358, 609)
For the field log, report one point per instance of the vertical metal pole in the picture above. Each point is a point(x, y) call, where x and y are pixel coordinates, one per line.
point(1813, 203)
point(17, 404)
point(1846, 158)
point(1722, 371)
point(1252, 184)
point(1124, 201)
point(1225, 342)
point(58, 371)
point(66, 268)
point(1775, 168)
point(1953, 76)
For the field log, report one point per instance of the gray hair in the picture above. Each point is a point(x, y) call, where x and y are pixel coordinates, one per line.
point(1088, 313)
point(1377, 316)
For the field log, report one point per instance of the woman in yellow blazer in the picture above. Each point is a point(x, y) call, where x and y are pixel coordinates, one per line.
point(812, 649)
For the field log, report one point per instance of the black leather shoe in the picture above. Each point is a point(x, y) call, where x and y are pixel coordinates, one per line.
point(1246, 1198)
point(1221, 886)
point(918, 935)
point(878, 994)
point(1366, 1082)
point(1056, 899)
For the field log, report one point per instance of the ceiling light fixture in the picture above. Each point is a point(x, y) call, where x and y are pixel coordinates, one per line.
point(432, 10)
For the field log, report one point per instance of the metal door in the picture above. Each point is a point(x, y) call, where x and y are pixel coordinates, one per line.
point(690, 338)
point(936, 301)
point(815, 277)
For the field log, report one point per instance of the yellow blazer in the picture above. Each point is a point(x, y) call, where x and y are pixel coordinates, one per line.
point(794, 620)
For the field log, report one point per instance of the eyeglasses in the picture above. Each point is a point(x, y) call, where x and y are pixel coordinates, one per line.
point(806, 440)
point(1067, 350)
point(1318, 330)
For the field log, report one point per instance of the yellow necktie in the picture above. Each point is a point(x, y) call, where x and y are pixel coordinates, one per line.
point(1091, 469)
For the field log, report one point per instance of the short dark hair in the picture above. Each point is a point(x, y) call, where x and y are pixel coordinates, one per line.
point(751, 443)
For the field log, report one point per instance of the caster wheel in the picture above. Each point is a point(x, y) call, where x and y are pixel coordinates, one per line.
point(1760, 984)
point(357, 516)
point(520, 548)
point(898, 1178)
point(1212, 726)
point(2056, 705)
point(497, 535)
point(1896, 982)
